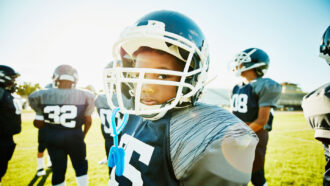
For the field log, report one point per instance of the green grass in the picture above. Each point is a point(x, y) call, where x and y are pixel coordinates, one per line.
point(293, 156)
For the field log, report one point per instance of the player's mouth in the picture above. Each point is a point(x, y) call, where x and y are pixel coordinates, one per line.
point(148, 101)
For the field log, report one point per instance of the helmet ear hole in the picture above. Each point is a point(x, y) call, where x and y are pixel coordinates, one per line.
point(259, 72)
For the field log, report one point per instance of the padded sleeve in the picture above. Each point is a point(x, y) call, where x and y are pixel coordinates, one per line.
point(36, 104)
point(268, 91)
point(210, 146)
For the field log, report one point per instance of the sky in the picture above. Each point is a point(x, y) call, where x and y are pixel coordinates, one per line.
point(36, 36)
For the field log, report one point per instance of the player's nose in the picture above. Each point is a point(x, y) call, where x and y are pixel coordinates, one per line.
point(147, 89)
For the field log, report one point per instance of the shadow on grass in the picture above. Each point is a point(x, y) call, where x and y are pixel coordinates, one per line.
point(42, 180)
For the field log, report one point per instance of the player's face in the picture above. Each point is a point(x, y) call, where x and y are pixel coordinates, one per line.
point(153, 94)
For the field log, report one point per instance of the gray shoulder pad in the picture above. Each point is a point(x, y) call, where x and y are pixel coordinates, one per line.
point(35, 101)
point(208, 140)
point(268, 91)
point(101, 101)
point(317, 102)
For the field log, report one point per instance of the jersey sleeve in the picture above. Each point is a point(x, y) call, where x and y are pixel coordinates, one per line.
point(101, 101)
point(35, 102)
point(89, 103)
point(268, 91)
point(210, 146)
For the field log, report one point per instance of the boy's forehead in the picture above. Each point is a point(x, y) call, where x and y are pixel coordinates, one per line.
point(157, 61)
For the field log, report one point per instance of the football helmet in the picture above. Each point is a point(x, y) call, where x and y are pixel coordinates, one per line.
point(7, 78)
point(170, 32)
point(325, 46)
point(251, 58)
point(65, 72)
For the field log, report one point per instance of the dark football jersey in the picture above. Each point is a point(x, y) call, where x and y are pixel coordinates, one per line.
point(187, 146)
point(316, 106)
point(10, 115)
point(62, 108)
point(246, 99)
point(104, 111)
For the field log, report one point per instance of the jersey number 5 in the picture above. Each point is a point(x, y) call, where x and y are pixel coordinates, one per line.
point(130, 172)
point(239, 103)
point(63, 115)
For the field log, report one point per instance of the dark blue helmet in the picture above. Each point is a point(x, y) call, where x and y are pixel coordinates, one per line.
point(7, 78)
point(175, 34)
point(325, 45)
point(251, 58)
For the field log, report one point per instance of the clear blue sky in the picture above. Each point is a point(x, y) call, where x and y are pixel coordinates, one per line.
point(37, 36)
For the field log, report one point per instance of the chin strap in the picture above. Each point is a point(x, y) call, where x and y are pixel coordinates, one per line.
point(117, 154)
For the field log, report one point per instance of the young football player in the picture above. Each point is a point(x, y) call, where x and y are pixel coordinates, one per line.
point(316, 106)
point(62, 111)
point(176, 141)
point(252, 101)
point(42, 147)
point(10, 116)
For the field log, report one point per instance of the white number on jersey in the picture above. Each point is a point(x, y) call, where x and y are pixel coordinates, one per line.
point(63, 115)
point(239, 103)
point(105, 115)
point(130, 172)
point(18, 106)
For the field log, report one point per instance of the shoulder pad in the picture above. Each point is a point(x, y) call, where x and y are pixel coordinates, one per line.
point(268, 91)
point(101, 101)
point(195, 129)
point(317, 102)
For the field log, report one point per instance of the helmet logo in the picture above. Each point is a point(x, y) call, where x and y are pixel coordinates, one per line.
point(157, 25)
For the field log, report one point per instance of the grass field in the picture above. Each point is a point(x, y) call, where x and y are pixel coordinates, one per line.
point(293, 156)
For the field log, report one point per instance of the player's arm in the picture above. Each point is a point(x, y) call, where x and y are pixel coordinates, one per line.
point(269, 93)
point(38, 123)
point(35, 104)
point(261, 121)
point(88, 113)
point(88, 123)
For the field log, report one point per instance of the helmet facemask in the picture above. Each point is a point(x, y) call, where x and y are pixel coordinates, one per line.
point(125, 82)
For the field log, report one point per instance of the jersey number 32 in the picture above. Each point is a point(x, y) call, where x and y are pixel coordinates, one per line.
point(63, 115)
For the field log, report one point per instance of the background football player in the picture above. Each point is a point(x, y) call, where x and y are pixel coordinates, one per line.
point(252, 101)
point(63, 110)
point(316, 106)
point(105, 113)
point(10, 116)
point(179, 141)
point(42, 147)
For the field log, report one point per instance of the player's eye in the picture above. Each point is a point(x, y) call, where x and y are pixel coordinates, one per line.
point(162, 76)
